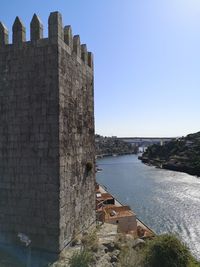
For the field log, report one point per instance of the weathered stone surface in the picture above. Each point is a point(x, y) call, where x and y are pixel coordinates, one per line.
point(84, 53)
point(19, 32)
point(77, 45)
point(3, 34)
point(76, 142)
point(56, 30)
point(68, 37)
point(46, 140)
point(36, 28)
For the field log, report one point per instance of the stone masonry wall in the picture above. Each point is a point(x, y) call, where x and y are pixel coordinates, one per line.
point(76, 143)
point(46, 135)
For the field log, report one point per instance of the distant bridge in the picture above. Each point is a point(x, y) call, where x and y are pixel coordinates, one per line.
point(146, 141)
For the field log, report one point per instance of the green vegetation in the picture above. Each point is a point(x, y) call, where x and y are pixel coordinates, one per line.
point(128, 256)
point(182, 154)
point(82, 258)
point(90, 241)
point(167, 251)
point(88, 166)
point(162, 251)
point(112, 145)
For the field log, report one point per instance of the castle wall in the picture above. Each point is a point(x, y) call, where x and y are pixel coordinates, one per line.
point(29, 182)
point(46, 135)
point(76, 145)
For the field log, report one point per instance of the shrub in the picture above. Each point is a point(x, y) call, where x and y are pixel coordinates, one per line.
point(88, 166)
point(90, 241)
point(129, 257)
point(81, 259)
point(166, 251)
point(193, 263)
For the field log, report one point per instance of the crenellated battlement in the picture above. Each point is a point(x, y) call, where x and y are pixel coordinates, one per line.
point(56, 34)
point(36, 29)
point(3, 35)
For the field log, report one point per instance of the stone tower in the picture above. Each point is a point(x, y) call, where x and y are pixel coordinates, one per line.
point(47, 173)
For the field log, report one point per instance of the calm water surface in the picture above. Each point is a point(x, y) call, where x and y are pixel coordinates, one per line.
point(167, 201)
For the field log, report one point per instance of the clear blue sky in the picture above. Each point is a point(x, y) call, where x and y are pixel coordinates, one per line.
point(147, 59)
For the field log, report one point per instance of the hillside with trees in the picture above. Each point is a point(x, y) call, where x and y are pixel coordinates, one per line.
point(108, 146)
point(181, 154)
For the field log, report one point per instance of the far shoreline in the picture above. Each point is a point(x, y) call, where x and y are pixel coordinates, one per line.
point(167, 166)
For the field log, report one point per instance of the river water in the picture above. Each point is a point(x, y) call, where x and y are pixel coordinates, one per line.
point(166, 201)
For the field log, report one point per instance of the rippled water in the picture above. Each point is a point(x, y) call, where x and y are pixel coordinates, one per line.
point(167, 201)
